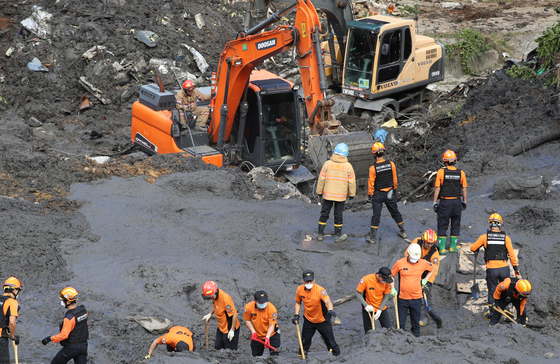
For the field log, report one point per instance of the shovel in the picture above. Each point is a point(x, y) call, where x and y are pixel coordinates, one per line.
point(372, 320)
point(266, 346)
point(396, 311)
point(432, 314)
point(475, 290)
point(207, 327)
point(300, 343)
point(15, 352)
point(424, 319)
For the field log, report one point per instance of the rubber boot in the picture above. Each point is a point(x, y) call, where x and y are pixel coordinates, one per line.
point(401, 232)
point(338, 235)
point(321, 231)
point(453, 244)
point(441, 243)
point(371, 237)
point(488, 315)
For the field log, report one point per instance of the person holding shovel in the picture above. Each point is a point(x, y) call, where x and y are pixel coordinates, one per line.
point(410, 270)
point(318, 313)
point(497, 248)
point(177, 338)
point(261, 317)
point(8, 317)
point(373, 292)
point(227, 333)
point(515, 291)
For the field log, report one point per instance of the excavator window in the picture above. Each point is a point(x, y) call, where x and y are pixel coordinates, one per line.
point(359, 62)
point(390, 61)
point(279, 115)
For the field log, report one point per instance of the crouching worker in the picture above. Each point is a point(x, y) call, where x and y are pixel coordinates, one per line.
point(261, 318)
point(74, 332)
point(178, 339)
point(515, 291)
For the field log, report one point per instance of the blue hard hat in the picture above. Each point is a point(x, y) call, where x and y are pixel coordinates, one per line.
point(341, 149)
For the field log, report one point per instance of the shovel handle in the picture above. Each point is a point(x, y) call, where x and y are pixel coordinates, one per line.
point(396, 311)
point(207, 327)
point(504, 314)
point(266, 346)
point(372, 320)
point(15, 351)
point(300, 343)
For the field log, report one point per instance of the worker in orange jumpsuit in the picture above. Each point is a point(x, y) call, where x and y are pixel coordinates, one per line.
point(187, 98)
point(8, 317)
point(382, 184)
point(430, 253)
point(227, 333)
point(373, 292)
point(450, 186)
point(337, 181)
point(318, 313)
point(410, 270)
point(515, 291)
point(497, 248)
point(261, 317)
point(177, 338)
point(74, 333)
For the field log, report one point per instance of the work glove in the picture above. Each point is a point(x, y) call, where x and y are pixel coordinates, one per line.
point(393, 292)
point(369, 308)
point(254, 336)
point(267, 342)
point(46, 340)
point(369, 199)
point(295, 319)
point(377, 314)
point(332, 313)
point(390, 194)
point(427, 287)
point(230, 334)
point(464, 205)
point(16, 339)
point(435, 207)
point(147, 357)
point(207, 317)
point(424, 281)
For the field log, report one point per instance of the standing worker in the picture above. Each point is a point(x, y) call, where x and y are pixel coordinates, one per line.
point(373, 292)
point(410, 270)
point(74, 332)
point(318, 313)
point(337, 177)
point(227, 333)
point(497, 248)
point(450, 186)
point(429, 252)
point(382, 185)
point(177, 338)
point(261, 318)
point(515, 291)
point(187, 97)
point(8, 317)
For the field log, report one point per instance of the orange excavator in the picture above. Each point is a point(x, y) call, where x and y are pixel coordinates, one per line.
point(257, 112)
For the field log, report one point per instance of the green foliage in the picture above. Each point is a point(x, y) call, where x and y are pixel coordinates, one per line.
point(410, 10)
point(471, 46)
point(548, 48)
point(522, 72)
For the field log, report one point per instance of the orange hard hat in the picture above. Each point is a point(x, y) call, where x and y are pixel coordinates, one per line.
point(429, 236)
point(188, 84)
point(523, 287)
point(449, 156)
point(495, 219)
point(209, 289)
point(69, 294)
point(12, 283)
point(377, 147)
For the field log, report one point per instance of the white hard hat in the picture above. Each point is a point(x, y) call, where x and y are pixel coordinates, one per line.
point(414, 251)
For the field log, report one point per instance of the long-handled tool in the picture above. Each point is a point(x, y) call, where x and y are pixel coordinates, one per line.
point(266, 346)
point(15, 352)
point(396, 311)
point(207, 327)
point(372, 320)
point(475, 290)
point(497, 309)
point(300, 343)
point(432, 314)
point(424, 318)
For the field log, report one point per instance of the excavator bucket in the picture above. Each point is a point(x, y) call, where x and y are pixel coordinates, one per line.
point(359, 151)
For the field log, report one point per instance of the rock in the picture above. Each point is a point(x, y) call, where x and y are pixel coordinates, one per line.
point(524, 187)
point(33, 122)
point(153, 325)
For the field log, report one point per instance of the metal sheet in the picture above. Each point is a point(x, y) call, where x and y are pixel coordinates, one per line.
point(299, 175)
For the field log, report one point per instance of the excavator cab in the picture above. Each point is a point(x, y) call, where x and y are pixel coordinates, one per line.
point(272, 128)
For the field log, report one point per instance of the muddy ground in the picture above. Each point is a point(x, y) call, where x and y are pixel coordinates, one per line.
point(139, 236)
